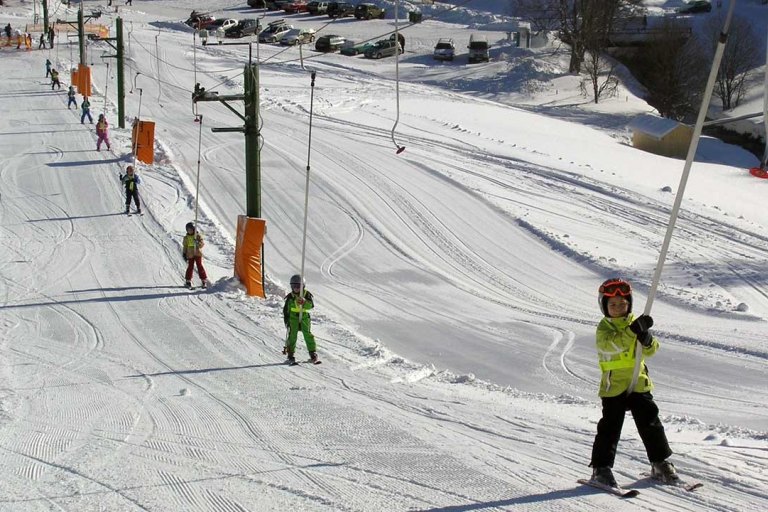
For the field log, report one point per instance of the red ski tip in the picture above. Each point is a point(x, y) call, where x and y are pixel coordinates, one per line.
point(759, 172)
point(400, 149)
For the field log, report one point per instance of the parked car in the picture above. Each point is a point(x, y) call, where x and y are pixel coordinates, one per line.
point(696, 6)
point(296, 7)
point(340, 9)
point(298, 36)
point(314, 8)
point(329, 43)
point(222, 24)
point(479, 50)
point(257, 4)
point(366, 11)
point(383, 48)
point(274, 33)
point(444, 49)
point(248, 27)
point(277, 5)
point(352, 48)
point(199, 20)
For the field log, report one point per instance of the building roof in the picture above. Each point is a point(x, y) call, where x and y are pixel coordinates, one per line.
point(653, 126)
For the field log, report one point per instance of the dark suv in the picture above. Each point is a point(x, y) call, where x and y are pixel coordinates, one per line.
point(243, 28)
point(340, 9)
point(368, 11)
point(316, 8)
point(257, 4)
point(329, 43)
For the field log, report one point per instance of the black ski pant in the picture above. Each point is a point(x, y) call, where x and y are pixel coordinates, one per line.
point(132, 194)
point(646, 416)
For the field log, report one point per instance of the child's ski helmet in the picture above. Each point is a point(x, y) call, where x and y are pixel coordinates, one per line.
point(611, 288)
point(190, 225)
point(295, 279)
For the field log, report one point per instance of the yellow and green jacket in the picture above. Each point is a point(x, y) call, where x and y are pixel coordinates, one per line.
point(616, 345)
point(291, 308)
point(190, 249)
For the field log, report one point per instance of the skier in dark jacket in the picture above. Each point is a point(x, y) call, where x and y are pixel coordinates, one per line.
point(48, 67)
point(71, 97)
point(617, 336)
point(85, 106)
point(131, 182)
point(297, 305)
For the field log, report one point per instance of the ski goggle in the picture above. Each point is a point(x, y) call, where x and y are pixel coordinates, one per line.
point(615, 288)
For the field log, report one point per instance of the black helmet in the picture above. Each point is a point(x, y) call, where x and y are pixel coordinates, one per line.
point(295, 279)
point(190, 225)
point(611, 288)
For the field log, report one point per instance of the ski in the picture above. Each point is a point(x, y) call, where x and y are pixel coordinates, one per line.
point(616, 491)
point(680, 484)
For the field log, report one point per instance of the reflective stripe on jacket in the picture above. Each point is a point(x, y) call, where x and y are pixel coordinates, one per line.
point(616, 355)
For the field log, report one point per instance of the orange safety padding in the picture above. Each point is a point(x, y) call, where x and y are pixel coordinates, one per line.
point(144, 141)
point(249, 264)
point(73, 76)
point(83, 83)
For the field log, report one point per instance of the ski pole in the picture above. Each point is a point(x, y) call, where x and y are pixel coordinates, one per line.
point(683, 181)
point(306, 199)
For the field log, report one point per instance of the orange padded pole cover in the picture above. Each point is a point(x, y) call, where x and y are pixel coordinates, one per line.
point(249, 264)
point(143, 140)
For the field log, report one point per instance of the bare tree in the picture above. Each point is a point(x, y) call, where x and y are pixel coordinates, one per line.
point(674, 70)
point(741, 56)
point(601, 75)
point(583, 24)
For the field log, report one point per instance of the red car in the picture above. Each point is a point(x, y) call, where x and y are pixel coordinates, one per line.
point(296, 7)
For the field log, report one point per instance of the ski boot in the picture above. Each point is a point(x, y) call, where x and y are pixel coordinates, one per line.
point(290, 359)
point(664, 472)
point(604, 475)
point(188, 284)
point(313, 357)
point(206, 283)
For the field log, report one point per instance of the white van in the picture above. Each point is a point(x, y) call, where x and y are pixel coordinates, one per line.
point(478, 48)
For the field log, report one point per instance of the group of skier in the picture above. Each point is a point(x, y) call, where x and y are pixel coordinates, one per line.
point(102, 125)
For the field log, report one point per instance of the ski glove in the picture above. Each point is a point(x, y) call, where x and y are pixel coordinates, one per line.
point(645, 338)
point(641, 324)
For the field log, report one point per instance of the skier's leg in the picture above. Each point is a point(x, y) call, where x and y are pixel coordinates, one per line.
point(293, 332)
point(608, 432)
point(649, 426)
point(309, 338)
point(190, 269)
point(127, 200)
point(201, 269)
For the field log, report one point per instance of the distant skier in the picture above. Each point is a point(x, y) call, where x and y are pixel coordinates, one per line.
point(131, 182)
point(617, 336)
point(192, 250)
point(51, 35)
point(48, 67)
point(42, 43)
point(297, 304)
point(8, 31)
point(85, 106)
point(71, 94)
point(55, 79)
point(102, 132)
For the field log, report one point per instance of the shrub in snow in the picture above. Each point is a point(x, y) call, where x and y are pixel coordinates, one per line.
point(742, 307)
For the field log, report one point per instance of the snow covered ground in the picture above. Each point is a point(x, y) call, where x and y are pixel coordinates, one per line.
point(455, 285)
